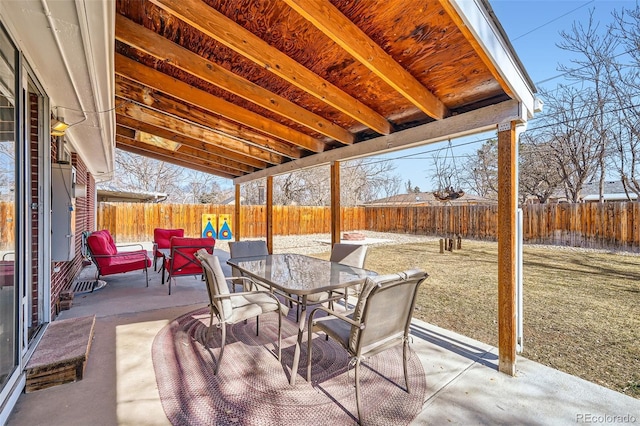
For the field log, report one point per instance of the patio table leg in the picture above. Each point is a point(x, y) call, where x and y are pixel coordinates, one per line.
point(296, 354)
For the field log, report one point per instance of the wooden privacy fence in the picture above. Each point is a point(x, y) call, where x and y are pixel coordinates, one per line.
point(606, 225)
point(130, 222)
point(595, 225)
point(475, 222)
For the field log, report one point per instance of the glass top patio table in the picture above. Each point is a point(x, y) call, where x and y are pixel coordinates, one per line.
point(300, 275)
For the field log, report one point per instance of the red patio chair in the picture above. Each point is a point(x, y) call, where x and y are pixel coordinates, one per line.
point(162, 240)
point(108, 260)
point(182, 260)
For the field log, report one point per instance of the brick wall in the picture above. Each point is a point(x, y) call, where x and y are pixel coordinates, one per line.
point(84, 212)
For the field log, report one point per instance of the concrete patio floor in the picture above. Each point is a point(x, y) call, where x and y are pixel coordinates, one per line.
point(463, 384)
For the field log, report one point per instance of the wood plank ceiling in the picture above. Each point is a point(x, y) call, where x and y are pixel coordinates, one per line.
point(231, 87)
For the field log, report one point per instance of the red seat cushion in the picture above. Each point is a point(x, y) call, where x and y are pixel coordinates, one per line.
point(107, 259)
point(183, 260)
point(162, 237)
point(101, 243)
point(124, 262)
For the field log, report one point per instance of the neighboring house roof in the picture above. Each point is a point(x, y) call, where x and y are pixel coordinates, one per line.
point(427, 199)
point(616, 196)
point(613, 191)
point(590, 192)
point(115, 195)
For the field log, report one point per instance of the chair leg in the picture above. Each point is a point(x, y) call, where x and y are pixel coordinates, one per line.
point(95, 283)
point(224, 337)
point(405, 354)
point(279, 335)
point(309, 346)
point(358, 405)
point(209, 332)
point(346, 298)
point(146, 274)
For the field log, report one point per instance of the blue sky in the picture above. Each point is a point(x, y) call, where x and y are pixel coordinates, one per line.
point(533, 26)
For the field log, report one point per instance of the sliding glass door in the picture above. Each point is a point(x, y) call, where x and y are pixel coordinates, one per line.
point(8, 212)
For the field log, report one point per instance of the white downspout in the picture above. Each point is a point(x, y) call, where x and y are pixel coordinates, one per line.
point(519, 263)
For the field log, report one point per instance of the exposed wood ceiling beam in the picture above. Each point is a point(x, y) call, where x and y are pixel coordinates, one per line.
point(150, 77)
point(170, 156)
point(130, 90)
point(186, 152)
point(199, 145)
point(468, 35)
point(328, 19)
point(161, 48)
point(167, 122)
point(214, 24)
point(121, 143)
point(476, 121)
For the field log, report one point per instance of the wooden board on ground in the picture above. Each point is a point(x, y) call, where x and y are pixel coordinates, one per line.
point(61, 355)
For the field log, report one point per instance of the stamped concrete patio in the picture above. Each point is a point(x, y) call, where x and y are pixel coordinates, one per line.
point(464, 386)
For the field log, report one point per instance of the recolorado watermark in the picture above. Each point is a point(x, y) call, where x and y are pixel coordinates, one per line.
point(605, 418)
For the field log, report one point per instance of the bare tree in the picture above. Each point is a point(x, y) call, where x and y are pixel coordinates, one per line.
point(138, 173)
point(592, 67)
point(360, 181)
point(182, 185)
point(480, 172)
point(624, 81)
point(308, 187)
point(568, 128)
point(539, 176)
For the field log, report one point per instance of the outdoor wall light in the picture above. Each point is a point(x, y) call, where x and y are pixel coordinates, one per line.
point(58, 127)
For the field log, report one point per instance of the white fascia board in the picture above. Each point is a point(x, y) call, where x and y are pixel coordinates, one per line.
point(477, 121)
point(97, 28)
point(487, 35)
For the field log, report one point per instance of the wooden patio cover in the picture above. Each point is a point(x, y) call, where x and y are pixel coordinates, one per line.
point(246, 89)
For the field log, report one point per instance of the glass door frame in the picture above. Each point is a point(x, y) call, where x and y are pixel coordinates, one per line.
point(44, 205)
point(16, 378)
point(24, 347)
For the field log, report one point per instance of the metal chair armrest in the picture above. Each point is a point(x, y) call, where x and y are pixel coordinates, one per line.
point(141, 253)
point(130, 245)
point(251, 281)
point(246, 293)
point(333, 314)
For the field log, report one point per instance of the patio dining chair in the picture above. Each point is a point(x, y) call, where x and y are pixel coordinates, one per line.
point(347, 254)
point(245, 249)
point(182, 260)
point(231, 308)
point(352, 255)
point(380, 321)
